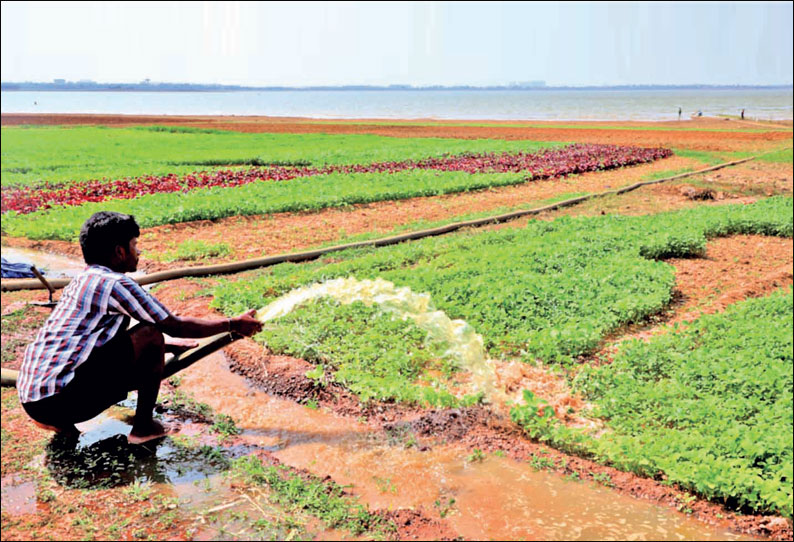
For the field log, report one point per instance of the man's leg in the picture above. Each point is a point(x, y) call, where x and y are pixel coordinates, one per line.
point(149, 356)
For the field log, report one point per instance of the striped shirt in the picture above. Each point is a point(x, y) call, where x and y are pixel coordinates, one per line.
point(93, 307)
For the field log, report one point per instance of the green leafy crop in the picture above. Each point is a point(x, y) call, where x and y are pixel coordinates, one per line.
point(372, 354)
point(301, 194)
point(552, 290)
point(710, 407)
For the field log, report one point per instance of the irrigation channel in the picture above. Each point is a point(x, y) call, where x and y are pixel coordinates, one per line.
point(497, 498)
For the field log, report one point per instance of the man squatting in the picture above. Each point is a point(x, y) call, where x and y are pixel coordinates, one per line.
point(85, 359)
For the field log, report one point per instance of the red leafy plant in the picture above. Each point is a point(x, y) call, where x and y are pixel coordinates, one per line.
point(569, 160)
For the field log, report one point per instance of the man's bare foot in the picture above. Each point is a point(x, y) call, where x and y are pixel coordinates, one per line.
point(178, 346)
point(149, 431)
point(65, 430)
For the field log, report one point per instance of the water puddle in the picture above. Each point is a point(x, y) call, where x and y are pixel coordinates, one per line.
point(101, 457)
point(52, 265)
point(18, 495)
point(496, 498)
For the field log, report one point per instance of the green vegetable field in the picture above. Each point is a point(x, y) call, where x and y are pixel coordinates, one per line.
point(562, 285)
point(436, 375)
point(38, 154)
point(693, 406)
point(709, 406)
point(300, 194)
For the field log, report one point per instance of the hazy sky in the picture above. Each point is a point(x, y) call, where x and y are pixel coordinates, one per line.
point(418, 43)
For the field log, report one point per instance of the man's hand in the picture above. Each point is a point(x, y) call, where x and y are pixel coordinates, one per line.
point(246, 324)
point(188, 327)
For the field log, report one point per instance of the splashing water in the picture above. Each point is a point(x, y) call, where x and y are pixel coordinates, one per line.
point(465, 345)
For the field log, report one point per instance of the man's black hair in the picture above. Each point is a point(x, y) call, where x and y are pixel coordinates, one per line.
point(103, 232)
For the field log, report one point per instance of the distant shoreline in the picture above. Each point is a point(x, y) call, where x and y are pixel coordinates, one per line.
point(16, 119)
point(188, 87)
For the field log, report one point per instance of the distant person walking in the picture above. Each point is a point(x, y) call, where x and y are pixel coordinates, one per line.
point(679, 113)
point(742, 114)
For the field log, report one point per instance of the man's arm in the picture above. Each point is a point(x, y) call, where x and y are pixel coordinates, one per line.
point(194, 328)
point(129, 298)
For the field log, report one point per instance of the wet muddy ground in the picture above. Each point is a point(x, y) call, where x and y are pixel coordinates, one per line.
point(438, 474)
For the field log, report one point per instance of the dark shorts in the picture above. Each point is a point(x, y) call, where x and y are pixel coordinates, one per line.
point(99, 382)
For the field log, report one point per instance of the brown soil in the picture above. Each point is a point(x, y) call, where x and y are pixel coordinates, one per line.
point(71, 514)
point(416, 525)
point(741, 184)
point(61, 520)
point(16, 341)
point(671, 135)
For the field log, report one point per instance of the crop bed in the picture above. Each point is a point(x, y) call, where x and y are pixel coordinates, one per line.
point(230, 193)
point(570, 160)
point(550, 290)
point(710, 407)
point(550, 293)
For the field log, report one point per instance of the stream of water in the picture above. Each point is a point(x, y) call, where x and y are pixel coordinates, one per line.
point(465, 345)
point(52, 265)
point(498, 498)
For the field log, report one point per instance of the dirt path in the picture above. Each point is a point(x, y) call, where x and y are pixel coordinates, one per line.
point(708, 134)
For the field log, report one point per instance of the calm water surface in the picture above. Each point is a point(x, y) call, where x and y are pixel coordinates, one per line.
point(767, 104)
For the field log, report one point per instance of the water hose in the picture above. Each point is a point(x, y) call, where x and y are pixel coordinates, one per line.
point(245, 265)
point(173, 364)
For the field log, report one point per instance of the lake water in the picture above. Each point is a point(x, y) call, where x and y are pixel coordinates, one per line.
point(766, 104)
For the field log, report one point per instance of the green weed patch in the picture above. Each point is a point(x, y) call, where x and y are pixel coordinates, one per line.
point(712, 158)
point(323, 499)
point(708, 408)
point(551, 291)
point(193, 250)
point(46, 154)
point(783, 156)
